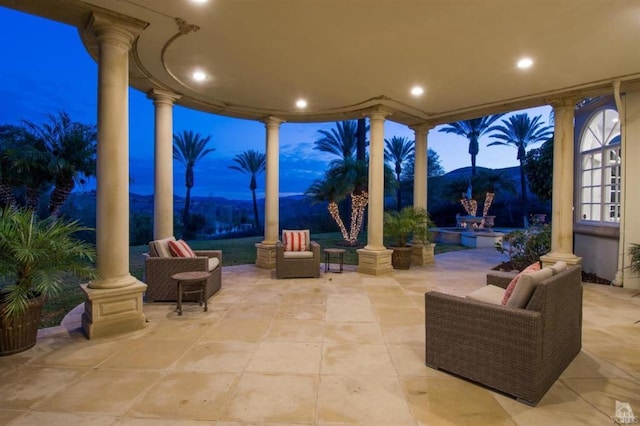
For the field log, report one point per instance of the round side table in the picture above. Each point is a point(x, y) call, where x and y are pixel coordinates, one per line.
point(193, 282)
point(327, 258)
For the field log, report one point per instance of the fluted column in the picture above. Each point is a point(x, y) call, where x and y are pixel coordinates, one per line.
point(562, 194)
point(163, 163)
point(423, 251)
point(375, 259)
point(265, 257)
point(114, 300)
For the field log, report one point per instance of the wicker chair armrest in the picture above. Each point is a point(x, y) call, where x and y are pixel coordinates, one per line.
point(315, 248)
point(501, 278)
point(209, 253)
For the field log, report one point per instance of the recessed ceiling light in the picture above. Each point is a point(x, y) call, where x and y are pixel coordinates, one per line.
point(417, 91)
point(525, 63)
point(301, 103)
point(199, 76)
point(199, 1)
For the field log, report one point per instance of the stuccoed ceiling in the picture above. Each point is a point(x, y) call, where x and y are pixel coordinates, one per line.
point(348, 56)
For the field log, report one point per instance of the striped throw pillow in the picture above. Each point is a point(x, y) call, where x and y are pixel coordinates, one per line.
point(180, 249)
point(295, 240)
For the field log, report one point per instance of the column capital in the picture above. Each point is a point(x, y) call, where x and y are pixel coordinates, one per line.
point(272, 121)
point(119, 32)
point(162, 96)
point(422, 127)
point(378, 113)
point(567, 102)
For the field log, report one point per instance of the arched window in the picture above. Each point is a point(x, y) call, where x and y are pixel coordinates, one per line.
point(600, 168)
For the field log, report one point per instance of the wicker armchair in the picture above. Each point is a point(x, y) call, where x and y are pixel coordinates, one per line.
point(158, 270)
point(298, 264)
point(520, 352)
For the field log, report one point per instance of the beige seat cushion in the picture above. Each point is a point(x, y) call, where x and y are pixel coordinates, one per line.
point(526, 285)
point(160, 248)
point(213, 263)
point(298, 254)
point(488, 294)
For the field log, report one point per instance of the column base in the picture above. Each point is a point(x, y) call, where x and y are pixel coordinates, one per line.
point(423, 254)
point(374, 262)
point(265, 256)
point(112, 311)
point(553, 257)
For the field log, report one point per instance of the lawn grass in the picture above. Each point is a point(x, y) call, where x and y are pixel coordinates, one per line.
point(236, 251)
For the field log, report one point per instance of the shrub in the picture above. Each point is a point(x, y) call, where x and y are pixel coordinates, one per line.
point(525, 247)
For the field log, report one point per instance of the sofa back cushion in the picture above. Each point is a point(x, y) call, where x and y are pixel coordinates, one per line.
point(558, 267)
point(512, 285)
point(525, 287)
point(160, 248)
point(295, 240)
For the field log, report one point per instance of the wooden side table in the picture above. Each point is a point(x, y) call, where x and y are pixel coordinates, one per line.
point(327, 258)
point(193, 282)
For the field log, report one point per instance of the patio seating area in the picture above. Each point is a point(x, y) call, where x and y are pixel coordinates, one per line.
point(336, 350)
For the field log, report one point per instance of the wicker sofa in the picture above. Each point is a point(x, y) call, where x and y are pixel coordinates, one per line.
point(518, 351)
point(159, 267)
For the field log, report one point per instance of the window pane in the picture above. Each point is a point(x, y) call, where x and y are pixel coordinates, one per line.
point(611, 126)
point(597, 160)
point(597, 177)
point(586, 195)
point(587, 178)
point(586, 212)
point(589, 141)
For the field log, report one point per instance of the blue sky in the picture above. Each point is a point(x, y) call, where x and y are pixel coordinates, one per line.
point(45, 69)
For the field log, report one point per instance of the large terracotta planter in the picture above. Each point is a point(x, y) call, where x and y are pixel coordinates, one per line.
point(19, 333)
point(401, 257)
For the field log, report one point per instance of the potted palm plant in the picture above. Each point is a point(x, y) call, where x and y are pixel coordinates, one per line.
point(399, 227)
point(35, 256)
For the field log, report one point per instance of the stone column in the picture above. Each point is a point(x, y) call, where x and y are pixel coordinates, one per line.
point(375, 258)
point(266, 250)
point(562, 198)
point(163, 163)
point(423, 251)
point(113, 302)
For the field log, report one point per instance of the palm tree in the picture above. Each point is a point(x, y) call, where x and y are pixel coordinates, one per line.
point(472, 130)
point(188, 149)
point(251, 163)
point(72, 146)
point(8, 136)
point(347, 174)
point(397, 151)
point(520, 131)
point(341, 141)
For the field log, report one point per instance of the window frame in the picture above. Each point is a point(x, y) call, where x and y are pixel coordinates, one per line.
point(605, 185)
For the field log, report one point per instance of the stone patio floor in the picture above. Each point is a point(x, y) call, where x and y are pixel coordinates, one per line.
point(339, 350)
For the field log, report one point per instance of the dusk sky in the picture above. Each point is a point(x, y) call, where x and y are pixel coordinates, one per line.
point(45, 69)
